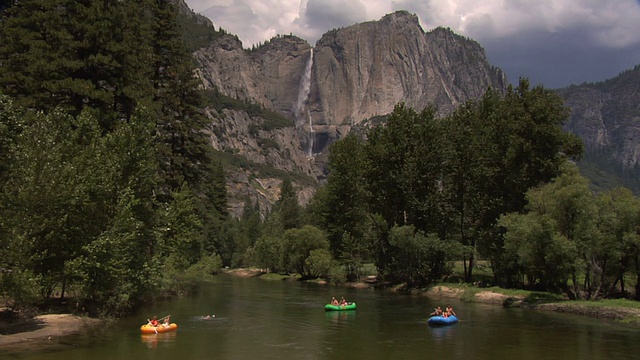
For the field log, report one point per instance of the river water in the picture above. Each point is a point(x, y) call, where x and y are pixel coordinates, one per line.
point(259, 319)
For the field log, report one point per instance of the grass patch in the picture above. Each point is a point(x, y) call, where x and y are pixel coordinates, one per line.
point(620, 303)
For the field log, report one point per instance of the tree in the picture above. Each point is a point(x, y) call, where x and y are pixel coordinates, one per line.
point(297, 247)
point(525, 147)
point(268, 253)
point(287, 206)
point(467, 177)
point(77, 54)
point(548, 241)
point(419, 259)
point(614, 249)
point(341, 205)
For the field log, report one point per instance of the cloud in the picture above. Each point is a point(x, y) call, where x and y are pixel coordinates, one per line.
point(519, 35)
point(253, 21)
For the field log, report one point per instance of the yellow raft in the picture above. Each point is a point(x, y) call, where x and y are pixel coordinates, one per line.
point(150, 329)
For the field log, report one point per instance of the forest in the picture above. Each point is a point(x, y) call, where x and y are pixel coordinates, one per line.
point(111, 194)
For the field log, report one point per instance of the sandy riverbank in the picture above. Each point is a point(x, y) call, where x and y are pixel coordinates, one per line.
point(622, 314)
point(43, 329)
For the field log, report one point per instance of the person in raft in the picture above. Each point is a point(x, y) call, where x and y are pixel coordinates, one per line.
point(166, 322)
point(343, 302)
point(450, 311)
point(334, 301)
point(437, 312)
point(153, 322)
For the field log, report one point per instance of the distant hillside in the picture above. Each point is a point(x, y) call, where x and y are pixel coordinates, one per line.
point(606, 115)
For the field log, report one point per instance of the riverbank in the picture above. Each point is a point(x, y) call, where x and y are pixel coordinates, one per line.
point(628, 312)
point(43, 329)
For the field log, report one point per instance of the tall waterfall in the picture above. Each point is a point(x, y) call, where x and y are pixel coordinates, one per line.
point(301, 111)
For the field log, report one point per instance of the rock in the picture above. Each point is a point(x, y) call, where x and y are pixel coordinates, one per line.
point(355, 73)
point(606, 116)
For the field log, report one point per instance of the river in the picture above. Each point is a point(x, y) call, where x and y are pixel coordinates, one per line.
point(259, 319)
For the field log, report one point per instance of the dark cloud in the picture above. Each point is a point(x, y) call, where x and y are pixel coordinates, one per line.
point(325, 15)
point(559, 59)
point(552, 42)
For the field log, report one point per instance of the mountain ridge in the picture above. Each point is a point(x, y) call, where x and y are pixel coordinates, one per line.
point(362, 71)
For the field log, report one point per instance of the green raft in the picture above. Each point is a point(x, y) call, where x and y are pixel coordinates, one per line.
point(349, 306)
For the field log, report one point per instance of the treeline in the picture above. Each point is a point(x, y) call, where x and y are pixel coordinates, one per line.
point(422, 190)
point(108, 191)
point(494, 181)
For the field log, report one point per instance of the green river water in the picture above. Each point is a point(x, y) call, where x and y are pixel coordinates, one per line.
point(259, 319)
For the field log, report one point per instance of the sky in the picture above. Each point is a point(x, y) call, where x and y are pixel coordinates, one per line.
point(554, 43)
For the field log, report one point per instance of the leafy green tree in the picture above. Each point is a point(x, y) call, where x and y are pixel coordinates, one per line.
point(541, 253)
point(419, 259)
point(341, 206)
point(319, 263)
point(525, 148)
point(548, 242)
point(297, 247)
point(182, 236)
point(10, 129)
point(268, 253)
point(114, 270)
point(117, 151)
point(467, 177)
point(399, 167)
point(48, 197)
point(19, 290)
point(614, 249)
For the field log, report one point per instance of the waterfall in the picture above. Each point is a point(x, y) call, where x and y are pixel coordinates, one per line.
point(301, 111)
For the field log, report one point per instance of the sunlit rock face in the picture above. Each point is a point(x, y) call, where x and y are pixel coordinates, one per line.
point(350, 75)
point(357, 72)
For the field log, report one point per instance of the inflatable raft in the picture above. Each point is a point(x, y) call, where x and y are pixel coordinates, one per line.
point(349, 306)
point(441, 320)
point(150, 329)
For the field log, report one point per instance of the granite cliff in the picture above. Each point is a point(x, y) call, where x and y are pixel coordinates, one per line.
point(606, 116)
point(350, 75)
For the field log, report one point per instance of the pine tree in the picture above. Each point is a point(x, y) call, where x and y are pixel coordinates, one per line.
point(77, 54)
point(288, 207)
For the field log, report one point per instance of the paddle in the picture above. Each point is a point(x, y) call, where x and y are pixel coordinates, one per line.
point(166, 324)
point(154, 328)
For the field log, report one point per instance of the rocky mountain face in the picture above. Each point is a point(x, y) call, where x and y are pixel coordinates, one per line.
point(350, 75)
point(606, 116)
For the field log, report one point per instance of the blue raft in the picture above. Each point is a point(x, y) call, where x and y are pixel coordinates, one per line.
point(441, 320)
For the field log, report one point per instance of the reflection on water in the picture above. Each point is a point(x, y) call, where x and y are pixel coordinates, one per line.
point(340, 315)
point(163, 339)
point(440, 333)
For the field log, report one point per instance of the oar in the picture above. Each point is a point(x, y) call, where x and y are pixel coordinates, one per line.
point(154, 328)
